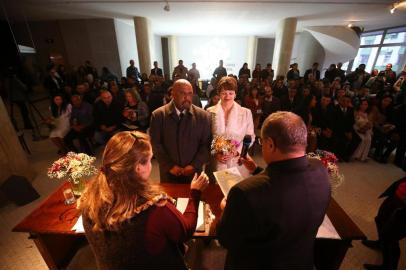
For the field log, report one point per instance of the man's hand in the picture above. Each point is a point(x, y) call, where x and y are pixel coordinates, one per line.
point(188, 170)
point(176, 170)
point(199, 182)
point(248, 163)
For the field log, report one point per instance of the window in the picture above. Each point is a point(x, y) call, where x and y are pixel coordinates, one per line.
point(365, 56)
point(371, 38)
point(394, 55)
point(396, 35)
point(379, 48)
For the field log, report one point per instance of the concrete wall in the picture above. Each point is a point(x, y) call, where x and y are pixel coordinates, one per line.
point(96, 41)
point(264, 51)
point(127, 45)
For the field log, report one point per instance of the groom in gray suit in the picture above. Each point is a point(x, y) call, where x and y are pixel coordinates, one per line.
point(180, 135)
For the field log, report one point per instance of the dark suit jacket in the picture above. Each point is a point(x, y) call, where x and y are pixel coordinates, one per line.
point(158, 72)
point(269, 107)
point(182, 143)
point(288, 105)
point(309, 71)
point(342, 122)
point(271, 219)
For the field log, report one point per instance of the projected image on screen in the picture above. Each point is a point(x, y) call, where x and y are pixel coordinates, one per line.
point(207, 51)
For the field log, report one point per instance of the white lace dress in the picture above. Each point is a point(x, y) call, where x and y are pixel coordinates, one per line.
point(61, 124)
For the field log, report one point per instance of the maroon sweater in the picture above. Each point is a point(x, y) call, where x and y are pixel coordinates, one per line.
point(153, 239)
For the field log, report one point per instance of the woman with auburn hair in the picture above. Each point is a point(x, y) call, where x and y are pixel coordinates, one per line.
point(129, 223)
point(232, 121)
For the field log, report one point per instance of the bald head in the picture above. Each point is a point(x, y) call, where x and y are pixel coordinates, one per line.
point(182, 92)
point(287, 133)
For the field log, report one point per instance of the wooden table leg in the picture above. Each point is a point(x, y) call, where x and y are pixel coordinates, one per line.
point(57, 249)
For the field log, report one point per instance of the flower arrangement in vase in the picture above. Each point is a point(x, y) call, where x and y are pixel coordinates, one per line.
point(76, 167)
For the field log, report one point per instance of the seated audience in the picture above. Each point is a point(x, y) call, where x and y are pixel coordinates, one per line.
point(136, 112)
point(293, 73)
point(117, 93)
point(363, 127)
point(256, 74)
point(81, 122)
point(53, 83)
point(59, 122)
point(389, 74)
point(270, 104)
point(292, 101)
point(323, 120)
point(107, 76)
point(345, 139)
point(129, 223)
point(383, 128)
point(262, 226)
point(213, 100)
point(253, 102)
point(305, 112)
point(279, 89)
point(107, 117)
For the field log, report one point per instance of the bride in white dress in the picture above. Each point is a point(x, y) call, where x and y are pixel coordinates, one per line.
point(232, 121)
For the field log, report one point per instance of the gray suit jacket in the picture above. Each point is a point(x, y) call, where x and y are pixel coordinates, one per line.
point(180, 142)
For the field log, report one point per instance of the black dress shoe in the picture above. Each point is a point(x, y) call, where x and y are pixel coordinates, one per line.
point(373, 266)
point(374, 244)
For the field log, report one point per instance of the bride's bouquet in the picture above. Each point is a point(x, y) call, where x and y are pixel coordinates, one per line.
point(224, 145)
point(329, 161)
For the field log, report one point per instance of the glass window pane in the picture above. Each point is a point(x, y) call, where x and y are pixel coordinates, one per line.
point(365, 56)
point(395, 35)
point(371, 38)
point(345, 66)
point(391, 55)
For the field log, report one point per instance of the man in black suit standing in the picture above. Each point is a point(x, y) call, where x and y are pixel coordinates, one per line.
point(314, 71)
point(270, 220)
point(156, 71)
point(180, 135)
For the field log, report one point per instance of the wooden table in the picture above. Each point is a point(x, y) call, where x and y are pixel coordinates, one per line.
point(50, 228)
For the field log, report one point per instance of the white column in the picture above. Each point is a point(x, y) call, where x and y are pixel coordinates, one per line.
point(144, 41)
point(173, 53)
point(252, 52)
point(284, 38)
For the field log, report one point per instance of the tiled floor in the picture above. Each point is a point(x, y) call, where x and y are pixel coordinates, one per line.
point(358, 196)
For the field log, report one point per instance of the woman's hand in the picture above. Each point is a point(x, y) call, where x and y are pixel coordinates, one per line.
point(199, 182)
point(224, 158)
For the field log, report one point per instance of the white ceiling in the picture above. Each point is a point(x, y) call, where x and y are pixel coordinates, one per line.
point(237, 18)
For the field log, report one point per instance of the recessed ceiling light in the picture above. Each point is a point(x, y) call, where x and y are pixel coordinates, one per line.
point(349, 25)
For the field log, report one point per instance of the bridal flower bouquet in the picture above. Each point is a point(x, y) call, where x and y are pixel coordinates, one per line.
point(329, 161)
point(75, 167)
point(223, 145)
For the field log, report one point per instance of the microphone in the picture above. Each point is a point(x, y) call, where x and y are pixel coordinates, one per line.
point(246, 142)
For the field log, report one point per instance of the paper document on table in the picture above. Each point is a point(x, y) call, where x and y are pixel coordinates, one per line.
point(181, 204)
point(327, 230)
point(227, 179)
point(78, 227)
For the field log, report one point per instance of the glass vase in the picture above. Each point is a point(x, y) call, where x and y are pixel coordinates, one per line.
point(78, 186)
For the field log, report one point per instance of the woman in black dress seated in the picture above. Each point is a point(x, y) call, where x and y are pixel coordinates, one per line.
point(129, 223)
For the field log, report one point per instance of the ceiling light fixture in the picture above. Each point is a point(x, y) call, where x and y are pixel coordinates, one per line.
point(167, 7)
point(396, 5)
point(349, 25)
